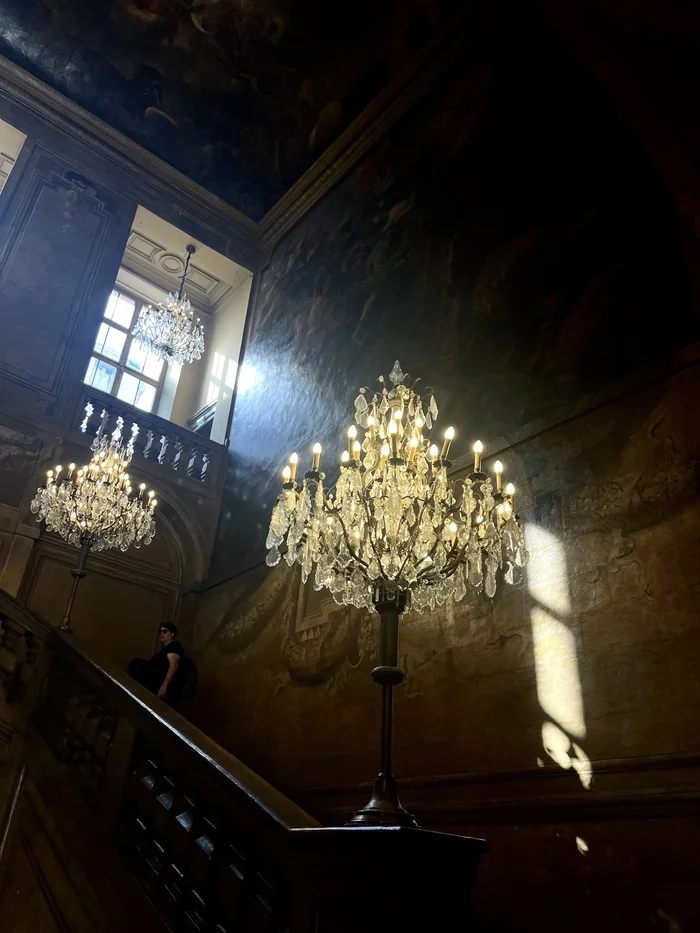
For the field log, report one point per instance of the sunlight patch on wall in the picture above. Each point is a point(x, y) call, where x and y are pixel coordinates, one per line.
point(555, 654)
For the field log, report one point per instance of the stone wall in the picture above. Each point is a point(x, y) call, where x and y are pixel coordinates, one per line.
point(510, 244)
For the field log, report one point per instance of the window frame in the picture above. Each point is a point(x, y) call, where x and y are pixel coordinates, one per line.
point(121, 365)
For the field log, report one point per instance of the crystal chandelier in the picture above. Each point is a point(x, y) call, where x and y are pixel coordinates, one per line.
point(395, 532)
point(170, 330)
point(97, 508)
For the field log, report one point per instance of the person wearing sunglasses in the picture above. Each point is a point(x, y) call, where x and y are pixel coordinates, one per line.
point(159, 674)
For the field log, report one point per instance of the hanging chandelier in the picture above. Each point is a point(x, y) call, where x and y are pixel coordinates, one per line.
point(97, 508)
point(395, 532)
point(170, 330)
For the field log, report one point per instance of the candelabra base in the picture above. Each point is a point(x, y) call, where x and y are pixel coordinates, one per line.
point(384, 807)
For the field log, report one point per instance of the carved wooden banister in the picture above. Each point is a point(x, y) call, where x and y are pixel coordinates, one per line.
point(21, 635)
point(213, 845)
point(160, 444)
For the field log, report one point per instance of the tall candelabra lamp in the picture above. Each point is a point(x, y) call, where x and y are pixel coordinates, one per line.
point(394, 533)
point(96, 507)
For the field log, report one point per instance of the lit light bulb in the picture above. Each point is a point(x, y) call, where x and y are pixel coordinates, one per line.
point(344, 457)
point(316, 450)
point(352, 432)
point(478, 450)
point(293, 461)
point(433, 453)
point(412, 448)
point(356, 451)
point(386, 450)
point(449, 437)
point(392, 429)
point(287, 474)
point(510, 489)
point(498, 468)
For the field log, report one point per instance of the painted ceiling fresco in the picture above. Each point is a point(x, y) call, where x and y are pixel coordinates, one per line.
point(240, 95)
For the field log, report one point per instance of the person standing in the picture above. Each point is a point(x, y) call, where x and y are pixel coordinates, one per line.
point(159, 674)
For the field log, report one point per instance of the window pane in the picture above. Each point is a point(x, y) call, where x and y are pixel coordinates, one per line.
point(110, 342)
point(111, 304)
point(153, 367)
point(136, 357)
point(212, 392)
point(144, 362)
point(128, 388)
point(145, 396)
point(100, 375)
point(120, 311)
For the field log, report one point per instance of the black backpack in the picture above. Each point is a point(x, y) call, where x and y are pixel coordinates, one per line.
point(189, 675)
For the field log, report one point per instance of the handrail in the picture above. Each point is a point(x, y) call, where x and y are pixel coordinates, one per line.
point(160, 723)
point(214, 847)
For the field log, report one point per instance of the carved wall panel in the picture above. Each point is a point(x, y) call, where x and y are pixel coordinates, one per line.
point(55, 241)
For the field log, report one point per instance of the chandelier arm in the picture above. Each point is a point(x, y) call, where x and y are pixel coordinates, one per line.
point(417, 526)
point(371, 539)
point(347, 538)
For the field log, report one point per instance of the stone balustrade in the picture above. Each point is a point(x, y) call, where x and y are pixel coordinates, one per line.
point(159, 443)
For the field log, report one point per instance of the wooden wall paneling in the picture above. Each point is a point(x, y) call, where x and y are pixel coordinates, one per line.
point(62, 242)
point(120, 603)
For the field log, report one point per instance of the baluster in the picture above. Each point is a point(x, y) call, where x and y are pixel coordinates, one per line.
point(164, 444)
point(148, 448)
point(85, 423)
point(192, 462)
point(205, 467)
point(178, 455)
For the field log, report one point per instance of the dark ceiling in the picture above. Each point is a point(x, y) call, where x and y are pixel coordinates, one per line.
point(240, 95)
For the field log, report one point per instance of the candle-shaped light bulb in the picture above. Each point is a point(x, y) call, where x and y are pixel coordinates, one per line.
point(510, 489)
point(385, 451)
point(419, 423)
point(433, 453)
point(478, 450)
point(392, 431)
point(154, 503)
point(356, 451)
point(453, 530)
point(293, 460)
point(141, 489)
point(498, 468)
point(412, 448)
point(316, 450)
point(449, 437)
point(71, 467)
point(352, 432)
point(151, 494)
point(49, 477)
point(58, 470)
point(287, 474)
point(344, 457)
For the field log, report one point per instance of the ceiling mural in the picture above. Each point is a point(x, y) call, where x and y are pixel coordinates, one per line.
point(241, 96)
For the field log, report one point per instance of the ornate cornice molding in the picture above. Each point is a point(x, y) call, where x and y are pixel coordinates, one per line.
point(373, 122)
point(149, 170)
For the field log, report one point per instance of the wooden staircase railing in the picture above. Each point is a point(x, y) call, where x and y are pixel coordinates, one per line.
point(213, 846)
